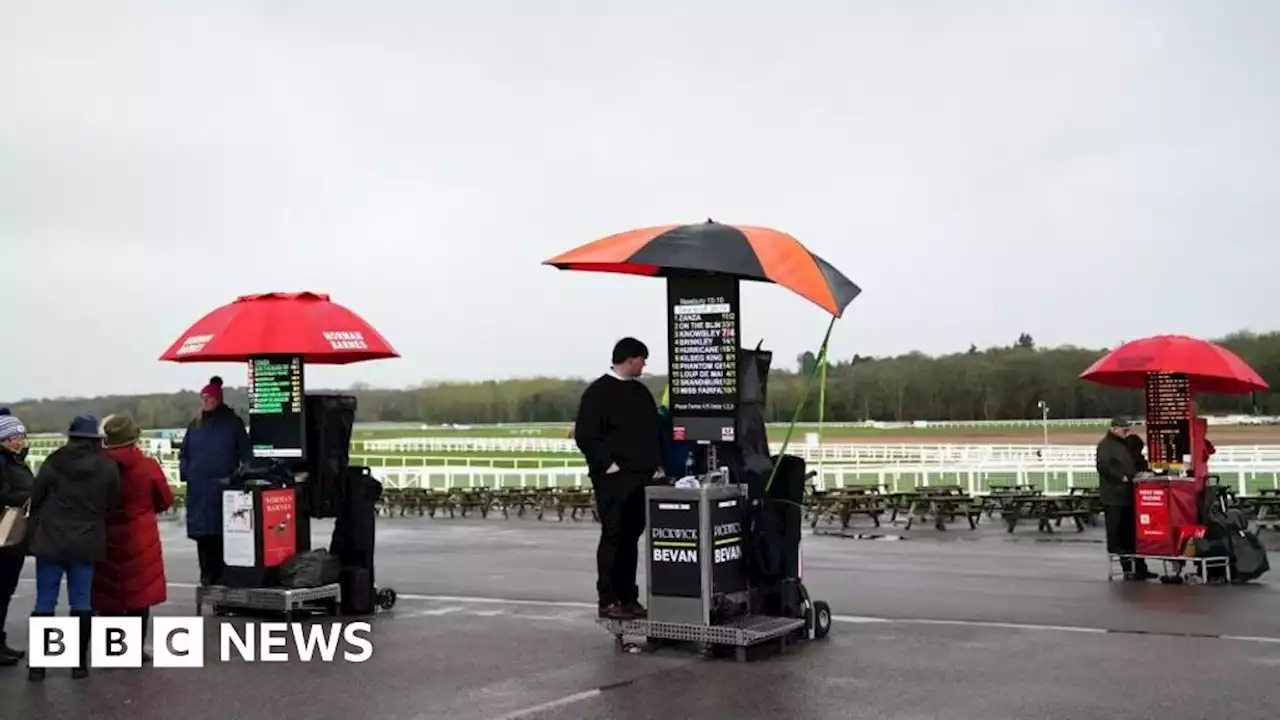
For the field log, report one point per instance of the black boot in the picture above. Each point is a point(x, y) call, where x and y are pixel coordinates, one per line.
point(86, 627)
point(36, 674)
point(8, 656)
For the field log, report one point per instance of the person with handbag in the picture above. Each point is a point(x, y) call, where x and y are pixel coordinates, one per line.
point(131, 579)
point(75, 491)
point(15, 492)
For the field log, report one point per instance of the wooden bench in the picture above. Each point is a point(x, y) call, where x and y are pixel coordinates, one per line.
point(943, 506)
point(1046, 510)
point(844, 503)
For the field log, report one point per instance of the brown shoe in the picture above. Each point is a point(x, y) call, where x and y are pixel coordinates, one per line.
point(636, 609)
point(617, 612)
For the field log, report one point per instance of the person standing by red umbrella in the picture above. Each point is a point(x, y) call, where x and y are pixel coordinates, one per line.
point(215, 444)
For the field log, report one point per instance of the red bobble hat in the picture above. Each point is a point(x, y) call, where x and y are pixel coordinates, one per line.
point(213, 389)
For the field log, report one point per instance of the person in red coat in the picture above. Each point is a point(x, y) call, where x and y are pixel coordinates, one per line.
point(131, 580)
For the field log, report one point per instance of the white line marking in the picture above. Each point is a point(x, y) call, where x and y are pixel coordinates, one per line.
point(857, 619)
point(846, 619)
point(566, 700)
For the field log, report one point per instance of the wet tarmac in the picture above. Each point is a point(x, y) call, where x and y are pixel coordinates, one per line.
point(496, 620)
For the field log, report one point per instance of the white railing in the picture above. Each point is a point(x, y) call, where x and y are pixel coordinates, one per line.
point(1052, 478)
point(516, 454)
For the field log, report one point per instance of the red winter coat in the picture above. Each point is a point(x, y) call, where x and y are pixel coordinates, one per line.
point(132, 576)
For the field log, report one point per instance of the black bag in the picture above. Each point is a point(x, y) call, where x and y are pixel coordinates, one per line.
point(310, 569)
point(1248, 557)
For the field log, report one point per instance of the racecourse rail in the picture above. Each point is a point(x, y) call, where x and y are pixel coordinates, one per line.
point(1054, 469)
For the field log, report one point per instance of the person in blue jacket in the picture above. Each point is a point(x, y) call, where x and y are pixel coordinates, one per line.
point(675, 453)
point(215, 444)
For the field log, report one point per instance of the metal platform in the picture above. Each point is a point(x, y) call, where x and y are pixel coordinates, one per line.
point(1174, 566)
point(740, 633)
point(281, 600)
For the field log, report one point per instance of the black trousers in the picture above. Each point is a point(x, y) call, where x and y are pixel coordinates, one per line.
point(209, 552)
point(10, 570)
point(1122, 534)
point(620, 505)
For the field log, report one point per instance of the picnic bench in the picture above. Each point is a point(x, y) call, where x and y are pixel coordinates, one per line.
point(943, 503)
point(1048, 510)
point(844, 503)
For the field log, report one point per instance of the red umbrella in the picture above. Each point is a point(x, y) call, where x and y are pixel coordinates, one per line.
point(1210, 368)
point(306, 324)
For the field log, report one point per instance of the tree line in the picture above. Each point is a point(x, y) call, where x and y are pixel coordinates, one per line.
point(997, 383)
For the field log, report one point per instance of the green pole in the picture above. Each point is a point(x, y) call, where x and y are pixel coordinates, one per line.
point(786, 440)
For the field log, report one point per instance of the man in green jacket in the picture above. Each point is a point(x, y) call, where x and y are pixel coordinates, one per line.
point(1117, 469)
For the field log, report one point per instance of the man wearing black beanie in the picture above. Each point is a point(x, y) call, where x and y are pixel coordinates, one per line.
point(617, 430)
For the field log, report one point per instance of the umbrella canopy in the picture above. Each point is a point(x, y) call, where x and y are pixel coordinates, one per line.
point(308, 324)
point(746, 252)
point(1210, 368)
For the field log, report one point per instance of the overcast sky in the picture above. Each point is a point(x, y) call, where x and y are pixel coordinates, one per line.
point(1083, 171)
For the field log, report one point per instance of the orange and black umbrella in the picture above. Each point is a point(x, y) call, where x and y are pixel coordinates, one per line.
point(746, 252)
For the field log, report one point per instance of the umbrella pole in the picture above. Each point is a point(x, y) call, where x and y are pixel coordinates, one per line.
point(822, 410)
point(795, 417)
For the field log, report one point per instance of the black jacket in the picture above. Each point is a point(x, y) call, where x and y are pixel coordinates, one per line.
point(1115, 463)
point(76, 489)
point(15, 489)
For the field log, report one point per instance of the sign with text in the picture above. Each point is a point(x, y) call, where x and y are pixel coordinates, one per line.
point(179, 642)
point(703, 355)
point(277, 420)
point(1168, 420)
point(673, 548)
point(728, 568)
point(279, 536)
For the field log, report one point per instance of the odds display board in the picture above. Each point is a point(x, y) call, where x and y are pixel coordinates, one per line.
point(277, 418)
point(1168, 421)
point(704, 324)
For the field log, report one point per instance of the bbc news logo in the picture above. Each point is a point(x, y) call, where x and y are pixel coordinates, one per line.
point(116, 642)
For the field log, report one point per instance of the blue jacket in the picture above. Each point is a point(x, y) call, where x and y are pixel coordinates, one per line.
point(674, 453)
point(214, 446)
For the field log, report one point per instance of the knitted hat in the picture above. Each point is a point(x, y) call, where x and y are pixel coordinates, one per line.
point(120, 430)
point(11, 426)
point(213, 389)
point(85, 426)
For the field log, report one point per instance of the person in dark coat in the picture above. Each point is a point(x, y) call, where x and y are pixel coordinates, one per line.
point(131, 580)
point(75, 490)
point(1135, 444)
point(618, 431)
point(1116, 471)
point(215, 444)
point(15, 490)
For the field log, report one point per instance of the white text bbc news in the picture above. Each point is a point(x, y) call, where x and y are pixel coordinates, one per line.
point(179, 642)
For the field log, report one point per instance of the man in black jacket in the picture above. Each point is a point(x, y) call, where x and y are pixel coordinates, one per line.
point(1117, 468)
point(617, 430)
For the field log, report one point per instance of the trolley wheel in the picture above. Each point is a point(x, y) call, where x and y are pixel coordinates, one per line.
point(386, 598)
point(821, 619)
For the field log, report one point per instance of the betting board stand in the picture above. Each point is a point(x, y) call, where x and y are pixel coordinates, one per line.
point(1168, 498)
point(266, 524)
point(696, 537)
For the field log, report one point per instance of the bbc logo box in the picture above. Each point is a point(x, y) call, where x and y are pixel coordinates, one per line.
point(179, 642)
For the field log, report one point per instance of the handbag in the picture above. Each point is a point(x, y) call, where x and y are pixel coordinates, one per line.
point(13, 524)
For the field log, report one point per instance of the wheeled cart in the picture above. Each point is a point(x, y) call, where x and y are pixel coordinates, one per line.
point(1176, 567)
point(698, 578)
point(219, 598)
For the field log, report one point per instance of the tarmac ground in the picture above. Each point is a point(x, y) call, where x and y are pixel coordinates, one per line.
point(495, 621)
